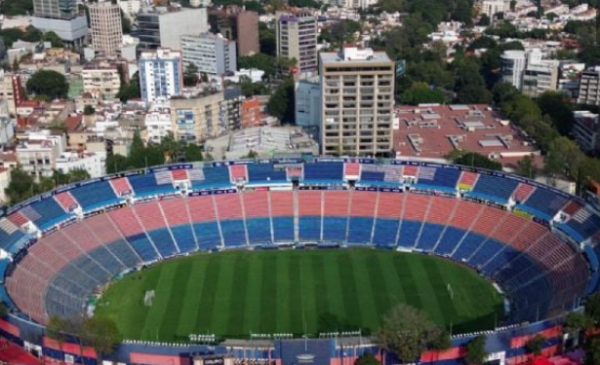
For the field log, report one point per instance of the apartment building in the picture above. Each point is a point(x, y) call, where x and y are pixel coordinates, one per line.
point(106, 28)
point(589, 87)
point(239, 25)
point(161, 74)
point(198, 117)
point(210, 53)
point(296, 35)
point(357, 88)
point(101, 81)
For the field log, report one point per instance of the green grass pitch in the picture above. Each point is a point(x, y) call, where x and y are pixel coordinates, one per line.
point(233, 294)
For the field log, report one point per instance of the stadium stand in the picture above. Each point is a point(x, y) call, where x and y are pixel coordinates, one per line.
point(525, 257)
point(265, 173)
point(324, 172)
point(494, 188)
point(544, 203)
point(95, 195)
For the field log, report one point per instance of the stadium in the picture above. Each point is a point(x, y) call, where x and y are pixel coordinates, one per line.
point(267, 261)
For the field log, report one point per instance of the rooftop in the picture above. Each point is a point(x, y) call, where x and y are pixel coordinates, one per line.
point(432, 131)
point(354, 54)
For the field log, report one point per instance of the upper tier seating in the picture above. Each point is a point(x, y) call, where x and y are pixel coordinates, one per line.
point(494, 188)
point(324, 172)
point(545, 203)
point(265, 172)
point(438, 177)
point(95, 195)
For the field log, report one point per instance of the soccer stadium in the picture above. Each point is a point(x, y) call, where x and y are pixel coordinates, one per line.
point(295, 260)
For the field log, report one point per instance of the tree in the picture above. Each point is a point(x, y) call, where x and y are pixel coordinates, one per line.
point(504, 92)
point(575, 322)
point(78, 175)
point(116, 163)
point(476, 353)
point(21, 186)
point(406, 332)
point(535, 345)
point(193, 153)
point(102, 334)
point(32, 34)
point(421, 93)
point(89, 110)
point(592, 307)
point(16, 7)
point(250, 88)
point(125, 23)
point(470, 85)
point(259, 61)
point(266, 38)
point(48, 83)
point(3, 310)
point(281, 104)
point(526, 168)
point(559, 108)
point(592, 352)
point(130, 90)
point(252, 154)
point(473, 159)
point(367, 359)
point(190, 75)
point(484, 20)
point(54, 40)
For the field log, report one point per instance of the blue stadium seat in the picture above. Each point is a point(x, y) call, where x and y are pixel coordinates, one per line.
point(283, 229)
point(486, 251)
point(494, 188)
point(451, 237)
point(50, 213)
point(184, 236)
point(360, 230)
point(125, 252)
point(430, 234)
point(324, 171)
point(105, 258)
point(163, 241)
point(588, 227)
point(8, 240)
point(310, 228)
point(334, 229)
point(208, 235)
point(504, 257)
point(259, 230)
point(442, 177)
point(234, 234)
point(385, 232)
point(545, 203)
point(409, 232)
point(142, 245)
point(214, 177)
point(146, 184)
point(372, 176)
point(94, 195)
point(467, 247)
point(265, 172)
point(85, 264)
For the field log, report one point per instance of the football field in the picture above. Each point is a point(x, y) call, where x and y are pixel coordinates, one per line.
point(233, 294)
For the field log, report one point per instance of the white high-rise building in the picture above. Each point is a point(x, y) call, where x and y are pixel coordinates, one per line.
point(61, 17)
point(513, 64)
point(106, 28)
point(161, 74)
point(210, 53)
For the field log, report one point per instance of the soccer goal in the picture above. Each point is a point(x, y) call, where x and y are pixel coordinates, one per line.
point(148, 297)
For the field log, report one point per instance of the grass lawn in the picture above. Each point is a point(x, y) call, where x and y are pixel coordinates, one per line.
point(232, 294)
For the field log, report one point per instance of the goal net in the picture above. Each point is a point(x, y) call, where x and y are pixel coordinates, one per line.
point(148, 297)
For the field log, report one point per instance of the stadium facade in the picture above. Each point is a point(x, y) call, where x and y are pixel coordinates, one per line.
point(538, 244)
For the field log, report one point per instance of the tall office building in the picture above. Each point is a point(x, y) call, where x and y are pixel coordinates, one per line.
point(357, 88)
point(296, 35)
point(589, 87)
point(61, 17)
point(106, 28)
point(210, 53)
point(513, 65)
point(161, 74)
point(163, 27)
point(238, 25)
